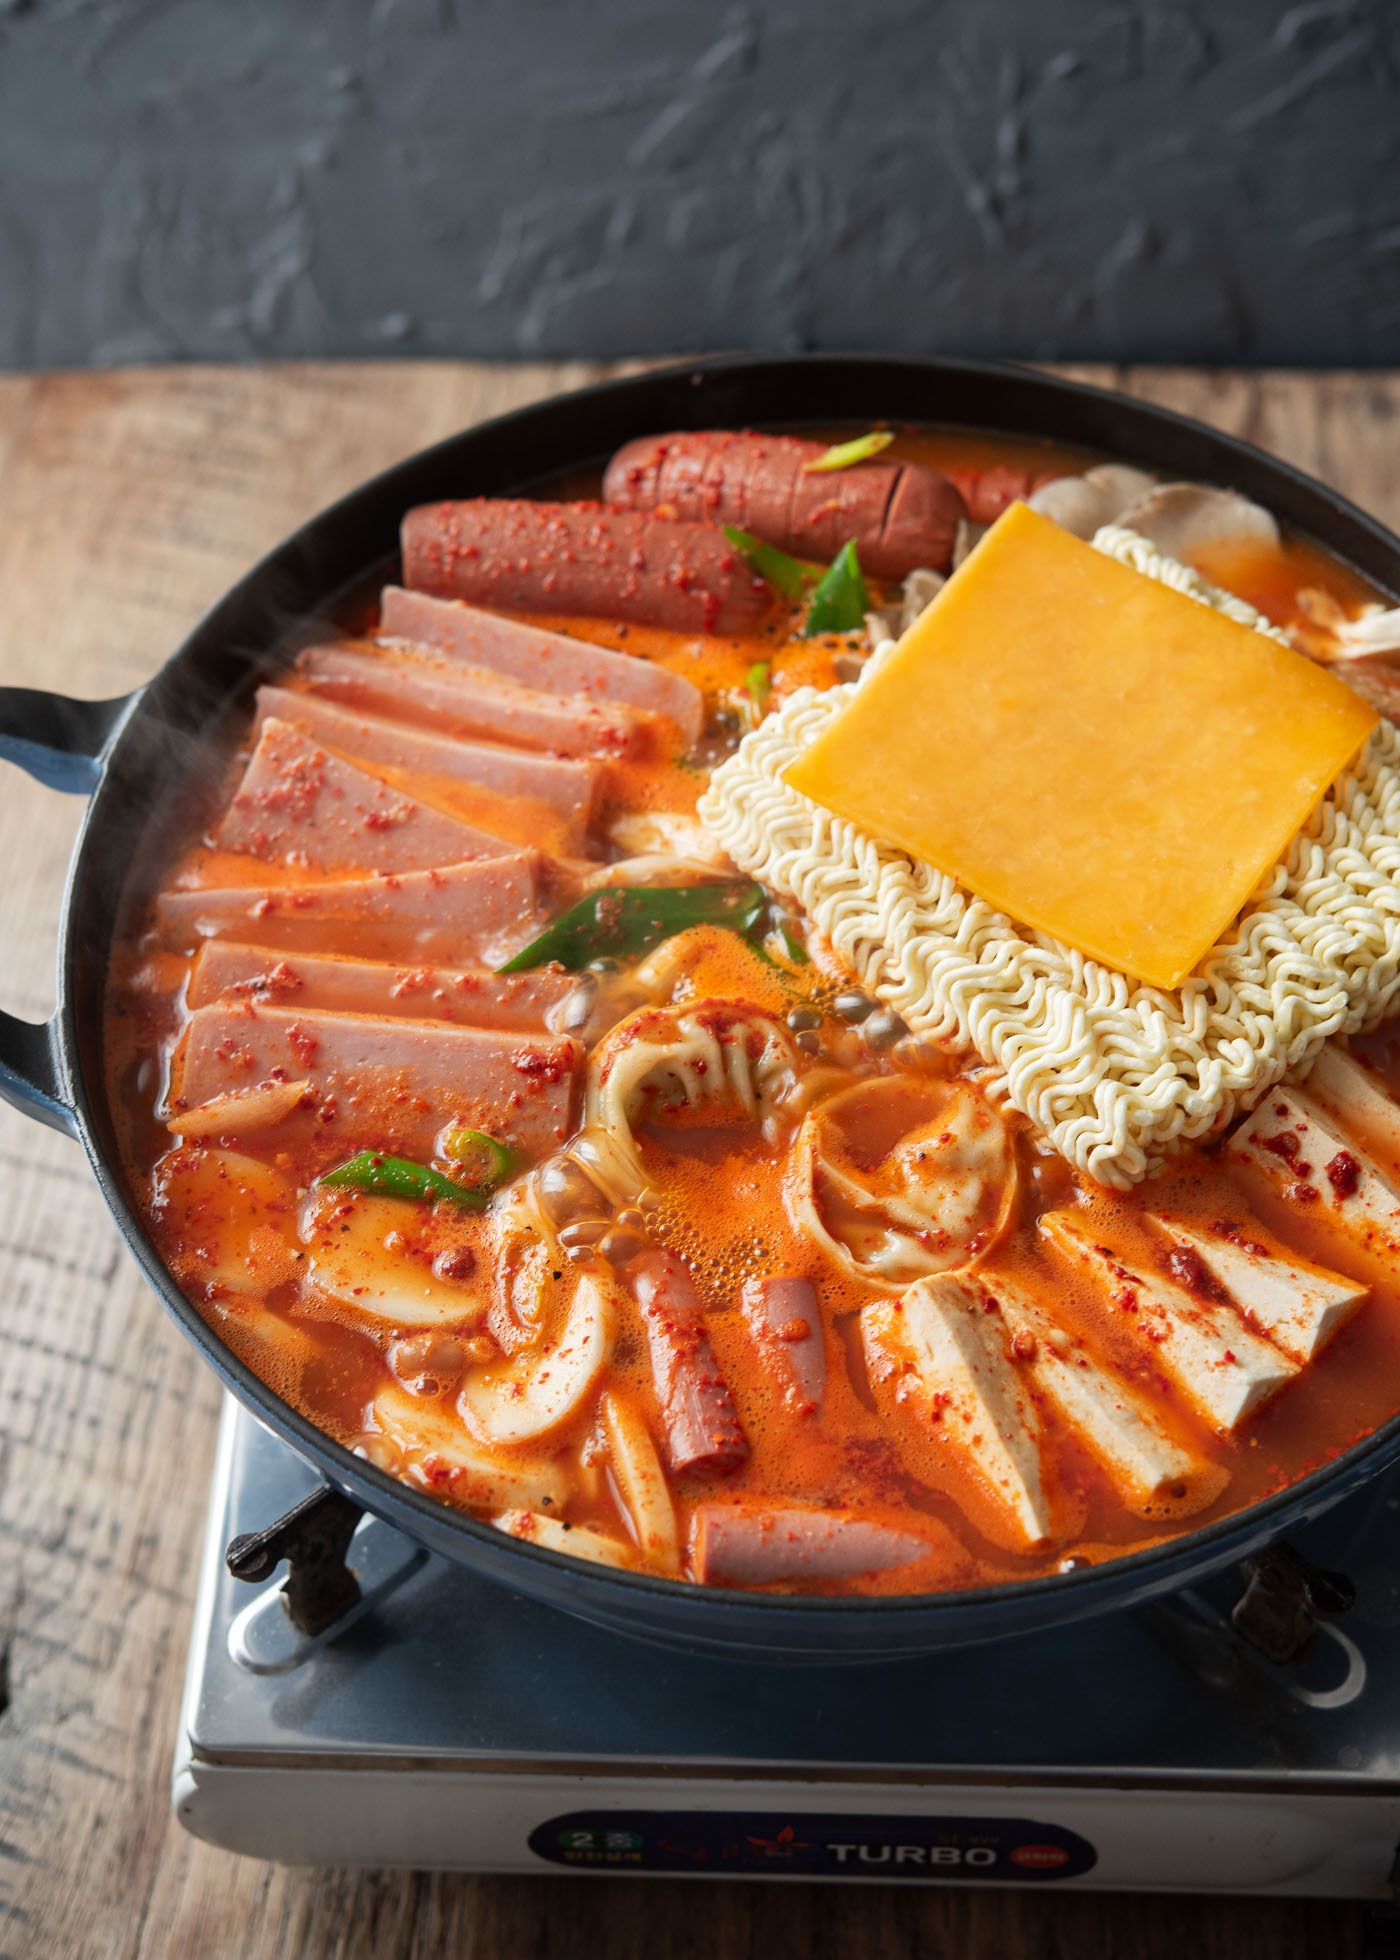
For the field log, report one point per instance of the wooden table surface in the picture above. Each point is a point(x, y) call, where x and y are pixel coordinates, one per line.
point(128, 501)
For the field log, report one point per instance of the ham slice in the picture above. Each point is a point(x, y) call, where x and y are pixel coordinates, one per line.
point(938, 1357)
point(382, 1084)
point(702, 1426)
point(538, 658)
point(566, 786)
point(1226, 1371)
point(483, 911)
point(785, 1321)
point(742, 1545)
point(473, 999)
point(458, 700)
point(298, 802)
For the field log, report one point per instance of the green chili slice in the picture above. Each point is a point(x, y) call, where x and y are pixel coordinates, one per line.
point(483, 1160)
point(842, 455)
point(759, 682)
point(789, 575)
point(399, 1177)
point(840, 602)
point(797, 953)
point(625, 921)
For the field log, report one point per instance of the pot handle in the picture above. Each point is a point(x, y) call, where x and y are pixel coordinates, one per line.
point(61, 743)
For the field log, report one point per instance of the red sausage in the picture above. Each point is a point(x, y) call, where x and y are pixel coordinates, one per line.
point(580, 558)
point(702, 1425)
point(901, 516)
point(987, 492)
point(737, 1546)
point(785, 1321)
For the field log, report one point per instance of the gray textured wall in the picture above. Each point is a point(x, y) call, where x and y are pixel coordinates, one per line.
point(1211, 179)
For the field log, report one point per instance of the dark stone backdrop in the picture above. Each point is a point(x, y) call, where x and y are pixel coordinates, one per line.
point(1206, 180)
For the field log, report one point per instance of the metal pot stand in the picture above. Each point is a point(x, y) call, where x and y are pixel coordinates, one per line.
point(443, 1721)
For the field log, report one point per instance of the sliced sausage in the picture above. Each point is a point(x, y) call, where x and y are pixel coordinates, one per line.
point(295, 800)
point(459, 700)
point(580, 558)
point(785, 1321)
point(900, 515)
point(702, 1425)
point(742, 1545)
point(988, 492)
point(567, 785)
point(537, 658)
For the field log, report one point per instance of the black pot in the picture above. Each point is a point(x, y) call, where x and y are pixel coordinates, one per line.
point(120, 752)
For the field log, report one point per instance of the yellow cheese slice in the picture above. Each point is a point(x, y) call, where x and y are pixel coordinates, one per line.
point(1098, 756)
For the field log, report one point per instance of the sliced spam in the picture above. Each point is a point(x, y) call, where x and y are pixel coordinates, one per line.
point(298, 801)
point(538, 658)
point(1150, 1469)
point(1317, 1168)
point(459, 700)
point(475, 998)
point(482, 911)
point(1298, 1305)
point(567, 785)
point(1226, 1371)
point(939, 1357)
point(1348, 1090)
point(383, 1084)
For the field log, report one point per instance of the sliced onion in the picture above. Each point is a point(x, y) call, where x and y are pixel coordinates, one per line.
point(239, 1110)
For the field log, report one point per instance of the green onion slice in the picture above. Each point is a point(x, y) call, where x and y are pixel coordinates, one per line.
point(483, 1160)
point(840, 602)
point(789, 575)
point(842, 455)
point(625, 921)
point(797, 953)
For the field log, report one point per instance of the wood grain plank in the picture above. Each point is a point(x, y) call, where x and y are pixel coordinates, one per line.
point(127, 503)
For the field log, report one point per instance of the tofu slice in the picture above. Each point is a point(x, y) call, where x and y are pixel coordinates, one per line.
point(1299, 1306)
point(938, 1357)
point(1151, 1471)
point(1226, 1371)
point(1358, 1099)
point(1296, 1148)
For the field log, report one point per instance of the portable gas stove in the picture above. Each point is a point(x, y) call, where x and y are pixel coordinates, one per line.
point(438, 1721)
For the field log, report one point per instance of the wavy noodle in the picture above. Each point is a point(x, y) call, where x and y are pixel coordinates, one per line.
point(1116, 1074)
